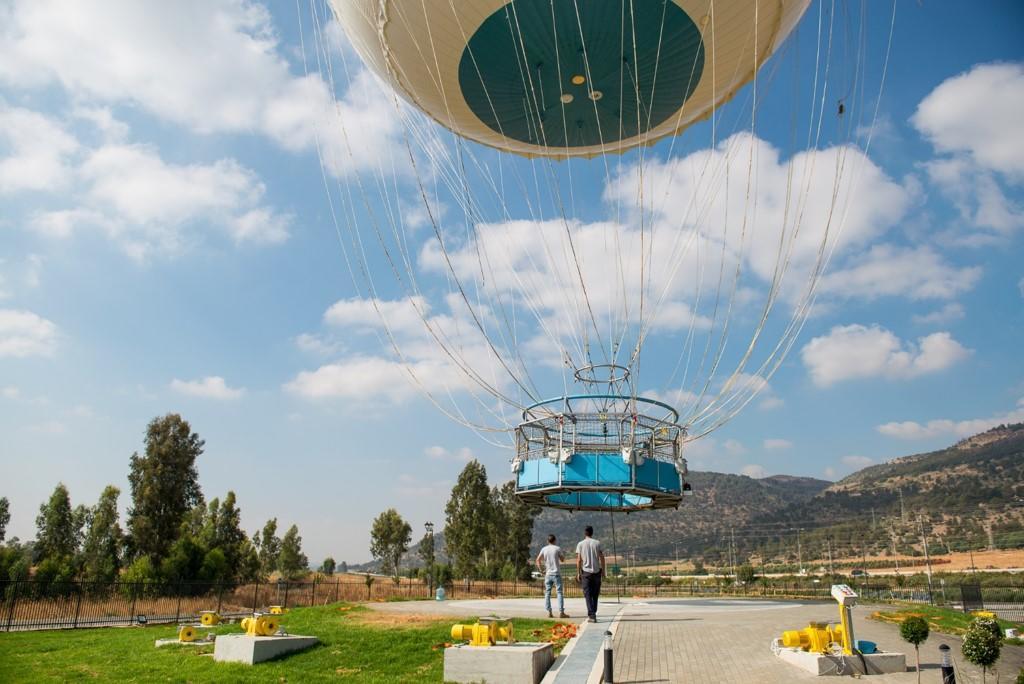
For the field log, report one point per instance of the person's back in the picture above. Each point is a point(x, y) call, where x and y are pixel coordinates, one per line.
point(589, 569)
point(551, 557)
point(589, 551)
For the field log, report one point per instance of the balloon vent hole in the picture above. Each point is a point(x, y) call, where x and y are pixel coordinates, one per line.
point(578, 79)
point(566, 98)
point(596, 95)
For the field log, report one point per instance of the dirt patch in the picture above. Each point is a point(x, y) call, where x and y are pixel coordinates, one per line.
point(379, 618)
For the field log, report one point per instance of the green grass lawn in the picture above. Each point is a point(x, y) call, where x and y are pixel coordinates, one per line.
point(356, 645)
point(942, 620)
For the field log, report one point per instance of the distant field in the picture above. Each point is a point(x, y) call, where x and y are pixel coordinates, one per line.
point(950, 562)
point(357, 645)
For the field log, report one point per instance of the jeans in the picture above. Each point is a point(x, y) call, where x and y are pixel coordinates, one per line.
point(556, 582)
point(591, 590)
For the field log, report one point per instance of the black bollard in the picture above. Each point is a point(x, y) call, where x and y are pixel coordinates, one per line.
point(608, 660)
point(947, 665)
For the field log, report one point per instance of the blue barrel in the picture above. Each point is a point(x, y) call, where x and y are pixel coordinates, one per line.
point(439, 594)
point(866, 647)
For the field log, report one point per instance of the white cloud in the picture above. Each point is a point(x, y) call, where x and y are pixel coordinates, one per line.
point(211, 387)
point(316, 344)
point(771, 402)
point(366, 315)
point(944, 427)
point(978, 113)
point(857, 462)
point(887, 271)
point(974, 119)
point(10, 392)
point(439, 453)
point(143, 203)
point(38, 155)
point(23, 333)
point(210, 66)
point(734, 447)
point(360, 378)
point(777, 444)
point(947, 314)
point(857, 351)
point(753, 470)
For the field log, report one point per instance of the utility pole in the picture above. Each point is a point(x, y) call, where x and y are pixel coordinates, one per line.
point(927, 558)
point(799, 552)
point(991, 540)
point(872, 517)
point(831, 570)
point(895, 551)
point(903, 511)
point(732, 550)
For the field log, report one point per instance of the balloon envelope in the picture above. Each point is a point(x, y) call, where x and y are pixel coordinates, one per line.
point(566, 78)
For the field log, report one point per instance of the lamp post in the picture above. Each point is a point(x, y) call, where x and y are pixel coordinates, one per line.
point(429, 526)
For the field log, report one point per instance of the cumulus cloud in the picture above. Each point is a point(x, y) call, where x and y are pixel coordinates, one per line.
point(439, 453)
point(754, 470)
point(734, 447)
point(144, 203)
point(213, 67)
point(974, 120)
point(23, 333)
point(944, 427)
point(775, 443)
point(210, 387)
point(857, 351)
point(947, 314)
point(887, 270)
point(38, 151)
point(857, 462)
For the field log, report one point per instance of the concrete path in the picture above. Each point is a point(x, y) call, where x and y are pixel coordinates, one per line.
point(715, 641)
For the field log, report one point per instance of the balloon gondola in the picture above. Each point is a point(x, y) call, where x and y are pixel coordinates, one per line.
point(600, 451)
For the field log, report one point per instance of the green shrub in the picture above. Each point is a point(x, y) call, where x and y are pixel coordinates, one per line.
point(914, 630)
point(982, 643)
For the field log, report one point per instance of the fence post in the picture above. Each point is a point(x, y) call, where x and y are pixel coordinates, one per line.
point(177, 608)
point(255, 594)
point(14, 600)
point(287, 586)
point(78, 607)
point(131, 611)
point(337, 587)
point(312, 598)
point(220, 596)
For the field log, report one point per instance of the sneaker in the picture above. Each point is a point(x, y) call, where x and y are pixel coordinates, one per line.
point(593, 619)
point(549, 614)
point(563, 615)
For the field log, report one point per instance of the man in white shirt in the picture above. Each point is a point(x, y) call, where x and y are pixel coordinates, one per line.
point(590, 570)
point(551, 557)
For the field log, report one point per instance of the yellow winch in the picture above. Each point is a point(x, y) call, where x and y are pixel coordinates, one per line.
point(486, 632)
point(816, 637)
point(261, 625)
point(187, 633)
point(278, 610)
point(209, 618)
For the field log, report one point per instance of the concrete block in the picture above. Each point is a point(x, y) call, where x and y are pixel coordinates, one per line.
point(501, 664)
point(818, 664)
point(174, 642)
point(242, 648)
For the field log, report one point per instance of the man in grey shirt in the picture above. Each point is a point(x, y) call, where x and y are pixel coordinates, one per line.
point(590, 570)
point(551, 557)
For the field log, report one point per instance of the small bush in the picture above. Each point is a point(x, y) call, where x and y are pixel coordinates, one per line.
point(982, 644)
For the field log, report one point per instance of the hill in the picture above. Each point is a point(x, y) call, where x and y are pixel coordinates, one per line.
point(969, 495)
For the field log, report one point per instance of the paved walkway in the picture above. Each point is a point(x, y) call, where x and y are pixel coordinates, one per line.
point(714, 641)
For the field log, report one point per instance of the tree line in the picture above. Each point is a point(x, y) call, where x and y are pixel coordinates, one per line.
point(487, 534)
point(171, 534)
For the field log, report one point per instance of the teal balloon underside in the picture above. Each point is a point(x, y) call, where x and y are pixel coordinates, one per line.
point(642, 61)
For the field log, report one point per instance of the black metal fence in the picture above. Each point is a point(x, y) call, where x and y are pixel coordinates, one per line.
point(29, 605)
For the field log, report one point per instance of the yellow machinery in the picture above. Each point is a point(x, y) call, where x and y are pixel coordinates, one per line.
point(819, 637)
point(187, 633)
point(261, 625)
point(209, 618)
point(278, 610)
point(486, 632)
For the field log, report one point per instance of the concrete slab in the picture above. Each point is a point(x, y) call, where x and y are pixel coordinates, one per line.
point(174, 642)
point(818, 664)
point(242, 648)
point(516, 663)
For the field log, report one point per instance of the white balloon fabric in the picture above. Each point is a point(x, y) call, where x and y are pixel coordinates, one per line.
point(567, 78)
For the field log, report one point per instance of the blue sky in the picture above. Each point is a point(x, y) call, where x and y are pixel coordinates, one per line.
point(167, 244)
